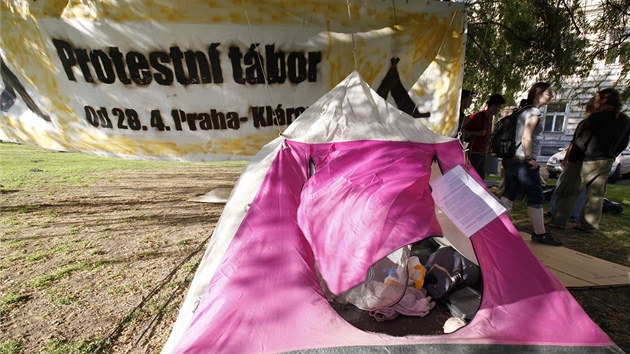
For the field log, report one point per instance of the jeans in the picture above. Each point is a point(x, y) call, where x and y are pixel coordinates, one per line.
point(519, 175)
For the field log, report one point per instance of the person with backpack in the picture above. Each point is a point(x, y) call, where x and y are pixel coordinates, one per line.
point(595, 144)
point(477, 131)
point(522, 170)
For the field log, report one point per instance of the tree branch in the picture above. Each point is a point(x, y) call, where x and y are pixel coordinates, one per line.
point(526, 41)
point(617, 7)
point(483, 52)
point(572, 17)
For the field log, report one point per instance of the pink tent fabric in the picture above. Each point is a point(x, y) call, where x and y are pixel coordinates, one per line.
point(365, 200)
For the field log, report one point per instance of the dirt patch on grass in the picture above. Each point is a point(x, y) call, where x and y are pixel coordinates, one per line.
point(76, 262)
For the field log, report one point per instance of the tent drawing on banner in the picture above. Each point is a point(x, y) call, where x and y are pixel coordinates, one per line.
point(343, 189)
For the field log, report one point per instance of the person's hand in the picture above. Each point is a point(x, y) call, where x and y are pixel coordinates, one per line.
point(533, 164)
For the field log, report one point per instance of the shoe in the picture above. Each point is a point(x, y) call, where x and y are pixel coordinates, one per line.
point(583, 229)
point(547, 239)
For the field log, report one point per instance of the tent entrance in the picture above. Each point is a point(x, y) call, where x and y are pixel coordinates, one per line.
point(462, 301)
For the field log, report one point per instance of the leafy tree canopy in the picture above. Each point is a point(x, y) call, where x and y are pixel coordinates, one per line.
point(513, 41)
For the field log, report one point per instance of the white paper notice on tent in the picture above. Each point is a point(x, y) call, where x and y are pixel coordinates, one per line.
point(464, 201)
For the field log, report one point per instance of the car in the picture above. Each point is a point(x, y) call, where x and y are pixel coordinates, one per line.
point(554, 162)
point(620, 168)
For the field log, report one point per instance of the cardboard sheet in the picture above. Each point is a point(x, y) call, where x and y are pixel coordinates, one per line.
point(218, 195)
point(578, 270)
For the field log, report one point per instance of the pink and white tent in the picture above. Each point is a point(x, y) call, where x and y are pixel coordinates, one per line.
point(344, 186)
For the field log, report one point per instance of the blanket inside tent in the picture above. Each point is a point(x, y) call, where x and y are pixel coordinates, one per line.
point(346, 185)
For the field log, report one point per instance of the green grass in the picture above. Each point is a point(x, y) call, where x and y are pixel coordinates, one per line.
point(58, 296)
point(68, 347)
point(56, 274)
point(618, 193)
point(12, 298)
point(30, 166)
point(35, 257)
point(6, 302)
point(11, 347)
point(69, 246)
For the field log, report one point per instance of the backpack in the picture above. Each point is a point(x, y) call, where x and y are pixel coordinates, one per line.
point(446, 269)
point(611, 207)
point(503, 139)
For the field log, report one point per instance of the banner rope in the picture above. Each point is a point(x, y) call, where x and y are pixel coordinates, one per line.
point(354, 45)
point(264, 71)
point(395, 19)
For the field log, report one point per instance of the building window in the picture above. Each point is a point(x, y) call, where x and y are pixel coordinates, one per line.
point(555, 117)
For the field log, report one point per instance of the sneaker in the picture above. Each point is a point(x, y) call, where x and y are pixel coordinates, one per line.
point(547, 239)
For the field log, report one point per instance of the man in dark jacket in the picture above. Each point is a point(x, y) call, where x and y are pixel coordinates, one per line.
point(600, 138)
point(477, 132)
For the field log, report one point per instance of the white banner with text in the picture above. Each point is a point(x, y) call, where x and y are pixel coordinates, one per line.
point(202, 81)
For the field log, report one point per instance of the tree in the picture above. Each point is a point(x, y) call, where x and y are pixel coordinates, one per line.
point(512, 41)
point(613, 41)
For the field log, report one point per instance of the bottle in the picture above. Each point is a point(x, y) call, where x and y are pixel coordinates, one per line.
point(417, 271)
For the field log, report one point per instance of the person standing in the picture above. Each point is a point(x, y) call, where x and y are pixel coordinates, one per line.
point(600, 138)
point(581, 200)
point(522, 170)
point(477, 132)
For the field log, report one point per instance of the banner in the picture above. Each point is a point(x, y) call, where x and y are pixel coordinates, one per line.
point(214, 80)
